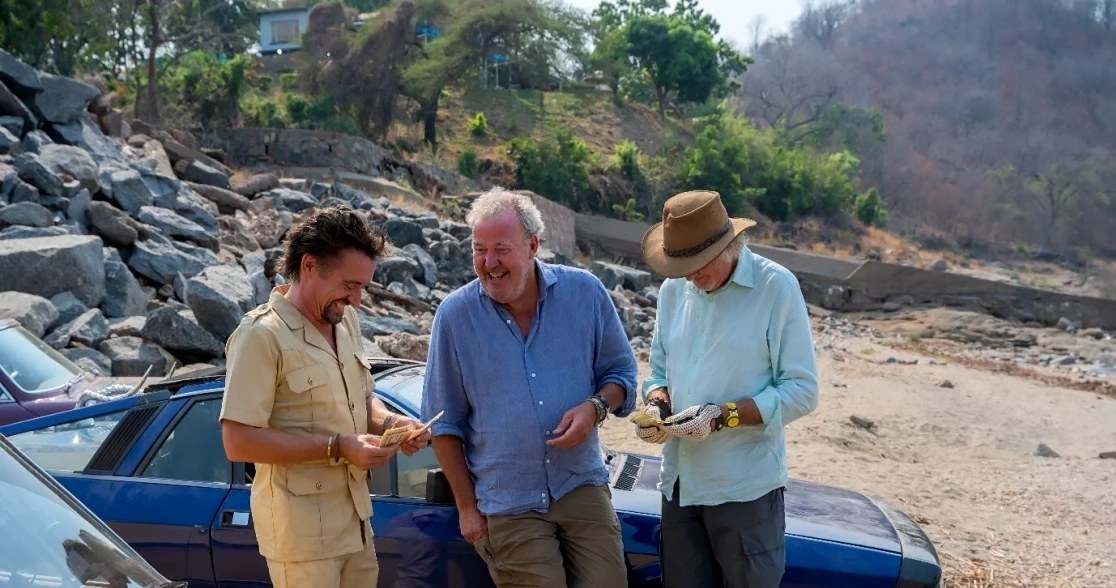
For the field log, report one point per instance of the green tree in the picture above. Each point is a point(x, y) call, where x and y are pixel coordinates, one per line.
point(558, 170)
point(60, 36)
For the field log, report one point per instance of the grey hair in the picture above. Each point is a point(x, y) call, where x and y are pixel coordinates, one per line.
point(498, 200)
point(735, 248)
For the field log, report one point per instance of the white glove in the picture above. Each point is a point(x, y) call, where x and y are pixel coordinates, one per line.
point(694, 423)
point(652, 434)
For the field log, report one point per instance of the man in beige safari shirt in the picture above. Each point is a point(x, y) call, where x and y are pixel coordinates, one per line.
point(299, 404)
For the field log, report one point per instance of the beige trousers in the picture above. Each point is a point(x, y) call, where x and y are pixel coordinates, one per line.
point(354, 570)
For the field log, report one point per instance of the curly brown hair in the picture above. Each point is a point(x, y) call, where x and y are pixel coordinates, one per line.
point(325, 234)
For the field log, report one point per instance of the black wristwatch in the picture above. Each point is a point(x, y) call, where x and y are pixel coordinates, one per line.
point(601, 405)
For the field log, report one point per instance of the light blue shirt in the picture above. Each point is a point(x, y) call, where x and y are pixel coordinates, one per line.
point(748, 339)
point(504, 394)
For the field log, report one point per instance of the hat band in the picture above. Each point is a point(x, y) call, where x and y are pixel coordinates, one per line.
point(695, 249)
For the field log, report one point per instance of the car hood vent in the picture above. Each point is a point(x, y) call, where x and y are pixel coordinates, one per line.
point(625, 476)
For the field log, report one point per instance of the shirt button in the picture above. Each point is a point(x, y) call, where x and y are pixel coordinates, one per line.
point(310, 381)
point(532, 374)
point(318, 485)
point(508, 321)
point(540, 403)
point(548, 460)
point(548, 432)
point(351, 405)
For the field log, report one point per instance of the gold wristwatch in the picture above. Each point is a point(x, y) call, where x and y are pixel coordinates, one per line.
point(733, 418)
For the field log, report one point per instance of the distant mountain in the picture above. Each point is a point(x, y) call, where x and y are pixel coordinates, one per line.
point(999, 116)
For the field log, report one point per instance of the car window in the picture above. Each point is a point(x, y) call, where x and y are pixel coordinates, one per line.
point(412, 472)
point(192, 451)
point(67, 447)
point(4, 396)
point(32, 364)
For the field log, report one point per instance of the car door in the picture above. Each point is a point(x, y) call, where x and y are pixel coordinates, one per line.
point(237, 562)
point(166, 507)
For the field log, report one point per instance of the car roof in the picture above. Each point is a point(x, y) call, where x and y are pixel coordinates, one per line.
point(7, 322)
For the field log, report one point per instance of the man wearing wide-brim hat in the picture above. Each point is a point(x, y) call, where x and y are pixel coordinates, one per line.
point(732, 362)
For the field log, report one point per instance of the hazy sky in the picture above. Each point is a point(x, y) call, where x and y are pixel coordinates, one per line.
point(736, 16)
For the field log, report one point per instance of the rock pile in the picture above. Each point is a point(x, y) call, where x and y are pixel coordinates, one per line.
point(126, 246)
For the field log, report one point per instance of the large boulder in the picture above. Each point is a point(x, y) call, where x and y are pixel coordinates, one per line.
point(269, 226)
point(126, 188)
point(90, 360)
point(68, 306)
point(226, 200)
point(23, 79)
point(131, 356)
point(89, 329)
point(9, 142)
point(111, 223)
point(429, 273)
point(49, 265)
point(403, 232)
point(86, 134)
point(63, 100)
point(176, 330)
point(158, 259)
point(405, 345)
point(395, 269)
point(32, 171)
point(374, 326)
point(26, 214)
point(123, 294)
point(219, 297)
point(35, 313)
point(73, 161)
point(292, 200)
point(201, 173)
point(175, 226)
point(11, 105)
point(613, 275)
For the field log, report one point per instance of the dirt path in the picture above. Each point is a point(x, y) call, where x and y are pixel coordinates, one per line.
point(960, 458)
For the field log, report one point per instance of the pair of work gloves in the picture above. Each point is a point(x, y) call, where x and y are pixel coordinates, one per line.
point(695, 423)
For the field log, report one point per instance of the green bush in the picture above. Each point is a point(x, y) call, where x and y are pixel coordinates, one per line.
point(478, 125)
point(626, 158)
point(201, 90)
point(467, 164)
point(628, 211)
point(870, 209)
point(264, 112)
point(288, 81)
point(558, 170)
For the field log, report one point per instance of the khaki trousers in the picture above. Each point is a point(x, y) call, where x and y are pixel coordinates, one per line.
point(354, 570)
point(576, 544)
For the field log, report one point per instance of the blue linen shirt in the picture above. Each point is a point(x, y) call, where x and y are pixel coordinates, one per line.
point(503, 395)
point(749, 339)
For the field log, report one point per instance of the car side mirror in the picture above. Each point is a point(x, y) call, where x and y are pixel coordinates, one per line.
point(438, 490)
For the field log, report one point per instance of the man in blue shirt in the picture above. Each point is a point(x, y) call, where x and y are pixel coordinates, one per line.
point(525, 361)
point(733, 359)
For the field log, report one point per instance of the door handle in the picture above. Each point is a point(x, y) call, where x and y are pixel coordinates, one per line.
point(236, 518)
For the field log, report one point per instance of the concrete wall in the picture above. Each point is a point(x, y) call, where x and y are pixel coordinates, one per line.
point(853, 285)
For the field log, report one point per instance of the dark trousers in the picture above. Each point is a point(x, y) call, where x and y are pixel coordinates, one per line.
point(735, 544)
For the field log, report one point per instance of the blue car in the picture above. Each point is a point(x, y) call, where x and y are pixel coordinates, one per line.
point(153, 467)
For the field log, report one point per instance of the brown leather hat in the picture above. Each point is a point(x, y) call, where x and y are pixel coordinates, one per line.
point(696, 228)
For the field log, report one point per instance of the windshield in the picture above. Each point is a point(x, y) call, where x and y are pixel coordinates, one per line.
point(33, 365)
point(409, 391)
point(49, 539)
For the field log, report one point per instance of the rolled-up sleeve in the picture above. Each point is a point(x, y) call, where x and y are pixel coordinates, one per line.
point(443, 388)
point(615, 362)
point(794, 392)
point(251, 376)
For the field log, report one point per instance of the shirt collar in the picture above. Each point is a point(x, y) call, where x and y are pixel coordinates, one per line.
point(283, 307)
point(745, 269)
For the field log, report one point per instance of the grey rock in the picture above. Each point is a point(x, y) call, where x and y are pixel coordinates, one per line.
point(374, 326)
point(554, 257)
point(403, 232)
point(21, 78)
point(862, 422)
point(131, 356)
point(429, 273)
point(178, 331)
point(174, 226)
point(73, 161)
point(12, 124)
point(1092, 333)
point(395, 269)
point(111, 223)
point(34, 141)
point(28, 214)
point(409, 287)
point(32, 171)
point(1107, 455)
point(23, 192)
point(191, 206)
point(10, 104)
point(405, 345)
point(22, 262)
point(35, 313)
point(258, 183)
point(428, 221)
point(127, 327)
point(178, 286)
point(219, 297)
point(69, 307)
point(612, 275)
point(9, 177)
point(123, 294)
point(90, 360)
point(126, 188)
point(1067, 325)
point(1043, 450)
point(1067, 360)
point(78, 208)
point(159, 259)
point(269, 226)
point(236, 233)
point(86, 134)
point(201, 173)
point(63, 100)
point(226, 200)
point(945, 384)
point(89, 329)
point(834, 297)
point(292, 200)
point(9, 143)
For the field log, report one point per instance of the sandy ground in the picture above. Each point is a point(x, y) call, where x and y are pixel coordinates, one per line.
point(961, 461)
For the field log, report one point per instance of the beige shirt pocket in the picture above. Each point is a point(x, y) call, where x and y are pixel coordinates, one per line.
point(320, 503)
point(305, 399)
